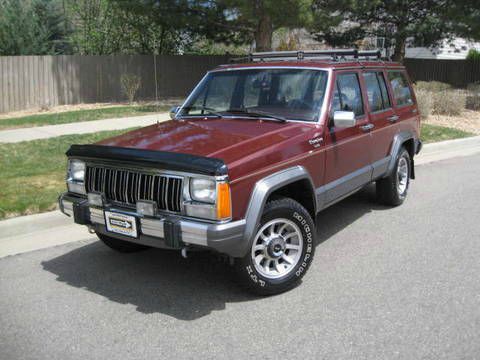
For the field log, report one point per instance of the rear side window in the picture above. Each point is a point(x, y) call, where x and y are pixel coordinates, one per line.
point(376, 91)
point(348, 96)
point(401, 89)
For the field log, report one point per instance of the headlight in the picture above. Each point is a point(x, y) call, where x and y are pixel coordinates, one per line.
point(76, 176)
point(203, 190)
point(76, 170)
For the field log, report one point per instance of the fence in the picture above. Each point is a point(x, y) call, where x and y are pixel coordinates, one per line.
point(36, 81)
point(458, 73)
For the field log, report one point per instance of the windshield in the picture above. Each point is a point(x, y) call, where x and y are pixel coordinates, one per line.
point(291, 94)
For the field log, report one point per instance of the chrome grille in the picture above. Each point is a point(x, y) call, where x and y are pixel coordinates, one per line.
point(127, 186)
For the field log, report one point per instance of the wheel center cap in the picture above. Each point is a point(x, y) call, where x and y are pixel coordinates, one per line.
point(276, 247)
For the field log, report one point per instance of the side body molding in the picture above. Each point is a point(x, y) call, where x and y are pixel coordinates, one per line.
point(398, 140)
point(263, 189)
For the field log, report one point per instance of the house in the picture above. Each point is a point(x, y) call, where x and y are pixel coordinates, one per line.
point(448, 49)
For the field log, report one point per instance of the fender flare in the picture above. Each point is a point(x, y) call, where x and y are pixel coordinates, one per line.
point(397, 143)
point(262, 190)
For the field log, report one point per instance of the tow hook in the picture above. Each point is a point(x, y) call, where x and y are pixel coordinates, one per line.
point(184, 252)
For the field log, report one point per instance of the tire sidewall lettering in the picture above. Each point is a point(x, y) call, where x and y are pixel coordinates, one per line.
point(308, 238)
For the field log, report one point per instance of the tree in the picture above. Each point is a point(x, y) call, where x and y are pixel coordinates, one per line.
point(36, 27)
point(346, 21)
point(258, 19)
point(464, 16)
point(116, 26)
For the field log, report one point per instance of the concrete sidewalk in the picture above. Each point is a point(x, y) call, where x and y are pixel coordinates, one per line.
point(85, 127)
point(448, 149)
point(33, 232)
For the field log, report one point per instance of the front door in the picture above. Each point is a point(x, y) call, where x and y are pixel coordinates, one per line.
point(348, 160)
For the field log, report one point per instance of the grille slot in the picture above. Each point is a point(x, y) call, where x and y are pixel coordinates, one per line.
point(128, 186)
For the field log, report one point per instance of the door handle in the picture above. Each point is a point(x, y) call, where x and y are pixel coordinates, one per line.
point(393, 118)
point(367, 127)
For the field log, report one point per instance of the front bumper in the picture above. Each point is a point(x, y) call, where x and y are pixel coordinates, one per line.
point(167, 231)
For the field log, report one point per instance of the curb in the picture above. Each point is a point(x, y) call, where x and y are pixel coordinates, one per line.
point(448, 149)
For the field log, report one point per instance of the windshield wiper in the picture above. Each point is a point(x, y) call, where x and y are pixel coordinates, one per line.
point(258, 113)
point(209, 111)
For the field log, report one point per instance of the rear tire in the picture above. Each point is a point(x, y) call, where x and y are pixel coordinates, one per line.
point(121, 245)
point(281, 251)
point(393, 189)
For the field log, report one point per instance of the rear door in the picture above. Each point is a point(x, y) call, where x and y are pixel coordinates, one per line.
point(382, 116)
point(404, 101)
point(348, 161)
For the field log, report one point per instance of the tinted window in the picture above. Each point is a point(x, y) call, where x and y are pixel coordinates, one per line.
point(401, 89)
point(347, 96)
point(383, 88)
point(376, 91)
point(295, 94)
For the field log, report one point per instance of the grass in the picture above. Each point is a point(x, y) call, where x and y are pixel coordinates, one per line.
point(33, 172)
point(79, 115)
point(434, 133)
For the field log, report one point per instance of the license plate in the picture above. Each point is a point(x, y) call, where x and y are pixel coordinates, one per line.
point(121, 223)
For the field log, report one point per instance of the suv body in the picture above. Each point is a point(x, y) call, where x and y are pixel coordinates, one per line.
point(254, 143)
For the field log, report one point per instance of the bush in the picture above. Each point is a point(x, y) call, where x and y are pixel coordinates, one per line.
point(473, 55)
point(449, 102)
point(473, 97)
point(439, 98)
point(130, 85)
point(434, 86)
point(425, 103)
point(474, 89)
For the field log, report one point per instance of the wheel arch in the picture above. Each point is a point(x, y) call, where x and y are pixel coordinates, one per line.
point(403, 139)
point(282, 183)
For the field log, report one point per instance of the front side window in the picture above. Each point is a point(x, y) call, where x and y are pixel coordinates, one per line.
point(347, 95)
point(376, 91)
point(293, 94)
point(400, 87)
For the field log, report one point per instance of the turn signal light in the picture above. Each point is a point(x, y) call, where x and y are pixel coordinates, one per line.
point(224, 201)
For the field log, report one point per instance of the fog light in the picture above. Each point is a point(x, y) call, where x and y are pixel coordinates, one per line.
point(95, 199)
point(147, 208)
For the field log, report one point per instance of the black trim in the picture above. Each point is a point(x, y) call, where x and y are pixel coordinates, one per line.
point(418, 146)
point(157, 159)
point(81, 212)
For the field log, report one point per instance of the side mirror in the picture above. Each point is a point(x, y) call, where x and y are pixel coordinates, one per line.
point(174, 111)
point(344, 119)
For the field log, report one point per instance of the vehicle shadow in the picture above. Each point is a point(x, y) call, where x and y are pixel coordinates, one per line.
point(160, 281)
point(337, 217)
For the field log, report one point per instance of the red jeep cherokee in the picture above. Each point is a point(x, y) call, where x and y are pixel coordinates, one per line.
point(245, 164)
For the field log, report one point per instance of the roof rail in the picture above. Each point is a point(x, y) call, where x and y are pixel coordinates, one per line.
point(333, 54)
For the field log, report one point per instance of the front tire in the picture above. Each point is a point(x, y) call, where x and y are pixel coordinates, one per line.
point(120, 245)
point(393, 189)
point(281, 251)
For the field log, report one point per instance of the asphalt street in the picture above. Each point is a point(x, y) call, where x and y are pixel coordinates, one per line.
point(386, 283)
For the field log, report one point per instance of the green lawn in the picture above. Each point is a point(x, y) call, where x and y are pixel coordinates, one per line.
point(80, 115)
point(33, 172)
point(433, 133)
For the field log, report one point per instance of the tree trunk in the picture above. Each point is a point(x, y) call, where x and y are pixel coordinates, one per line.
point(264, 33)
point(399, 52)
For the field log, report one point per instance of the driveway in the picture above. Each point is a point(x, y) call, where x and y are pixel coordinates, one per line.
point(401, 283)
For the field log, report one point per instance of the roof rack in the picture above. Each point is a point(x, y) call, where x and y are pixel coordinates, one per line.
point(334, 54)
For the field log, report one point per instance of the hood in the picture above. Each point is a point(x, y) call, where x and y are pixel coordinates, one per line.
point(227, 139)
